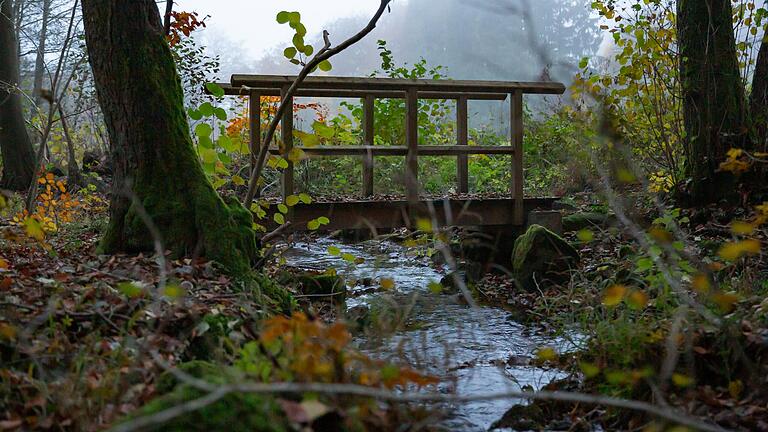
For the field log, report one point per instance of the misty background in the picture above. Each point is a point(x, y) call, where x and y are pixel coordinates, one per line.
point(515, 40)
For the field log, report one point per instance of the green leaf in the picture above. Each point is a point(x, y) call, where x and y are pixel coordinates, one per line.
point(323, 130)
point(214, 89)
point(282, 208)
point(300, 29)
point(226, 143)
point(294, 17)
point(279, 218)
point(221, 114)
point(325, 66)
point(238, 181)
point(313, 225)
point(323, 220)
point(308, 50)
point(283, 17)
point(298, 42)
point(205, 142)
point(306, 199)
point(194, 114)
point(290, 52)
point(203, 130)
point(206, 109)
point(334, 251)
point(292, 200)
point(209, 156)
point(131, 289)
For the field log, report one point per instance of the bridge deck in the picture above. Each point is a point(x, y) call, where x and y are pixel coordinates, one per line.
point(378, 215)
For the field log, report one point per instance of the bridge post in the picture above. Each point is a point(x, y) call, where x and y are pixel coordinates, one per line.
point(462, 138)
point(287, 133)
point(516, 137)
point(412, 142)
point(254, 119)
point(368, 139)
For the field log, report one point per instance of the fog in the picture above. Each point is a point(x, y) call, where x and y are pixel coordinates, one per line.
point(474, 39)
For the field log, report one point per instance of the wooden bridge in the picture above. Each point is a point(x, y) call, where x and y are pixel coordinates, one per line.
point(378, 214)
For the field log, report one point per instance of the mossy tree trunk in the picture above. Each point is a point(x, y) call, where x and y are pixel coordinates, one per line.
point(156, 171)
point(714, 107)
point(758, 101)
point(16, 147)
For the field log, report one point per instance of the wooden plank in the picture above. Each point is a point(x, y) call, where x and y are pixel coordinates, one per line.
point(412, 142)
point(369, 84)
point(254, 124)
point(403, 150)
point(365, 214)
point(368, 140)
point(287, 133)
point(462, 137)
point(360, 94)
point(516, 132)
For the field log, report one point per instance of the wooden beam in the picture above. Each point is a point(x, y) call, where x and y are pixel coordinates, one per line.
point(412, 142)
point(368, 140)
point(442, 150)
point(254, 124)
point(462, 137)
point(516, 132)
point(369, 84)
point(359, 94)
point(287, 133)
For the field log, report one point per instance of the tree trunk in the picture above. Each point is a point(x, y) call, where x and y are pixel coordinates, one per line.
point(714, 107)
point(16, 147)
point(156, 171)
point(40, 59)
point(758, 101)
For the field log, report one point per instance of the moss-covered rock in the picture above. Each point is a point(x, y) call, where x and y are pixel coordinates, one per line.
point(320, 286)
point(542, 256)
point(580, 221)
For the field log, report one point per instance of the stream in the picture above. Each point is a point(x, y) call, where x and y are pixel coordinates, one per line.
point(473, 350)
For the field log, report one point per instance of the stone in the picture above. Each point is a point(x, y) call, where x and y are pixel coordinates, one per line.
point(542, 256)
point(580, 221)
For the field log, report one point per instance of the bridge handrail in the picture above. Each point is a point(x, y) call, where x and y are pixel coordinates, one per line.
point(369, 89)
point(389, 84)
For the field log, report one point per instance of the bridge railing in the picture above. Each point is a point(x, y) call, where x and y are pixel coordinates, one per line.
point(369, 89)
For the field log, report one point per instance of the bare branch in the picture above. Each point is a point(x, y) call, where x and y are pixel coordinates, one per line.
point(324, 54)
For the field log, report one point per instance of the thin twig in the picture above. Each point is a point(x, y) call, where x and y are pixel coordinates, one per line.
point(324, 54)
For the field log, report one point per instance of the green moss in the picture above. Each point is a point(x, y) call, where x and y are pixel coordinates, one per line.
point(235, 412)
point(579, 221)
point(542, 255)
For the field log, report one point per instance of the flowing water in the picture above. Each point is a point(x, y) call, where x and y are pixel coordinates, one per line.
point(474, 350)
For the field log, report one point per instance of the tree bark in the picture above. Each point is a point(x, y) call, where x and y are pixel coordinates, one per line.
point(16, 147)
point(758, 101)
point(156, 171)
point(714, 107)
point(40, 58)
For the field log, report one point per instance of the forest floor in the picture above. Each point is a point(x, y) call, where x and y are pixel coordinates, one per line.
point(77, 328)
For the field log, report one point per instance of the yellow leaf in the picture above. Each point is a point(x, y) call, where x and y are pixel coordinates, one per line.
point(660, 235)
point(735, 388)
point(701, 283)
point(173, 291)
point(585, 236)
point(8, 331)
point(614, 294)
point(742, 228)
point(546, 354)
point(681, 380)
point(34, 229)
point(734, 250)
point(589, 369)
point(4, 264)
point(424, 225)
point(725, 301)
point(387, 284)
point(238, 181)
point(637, 300)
